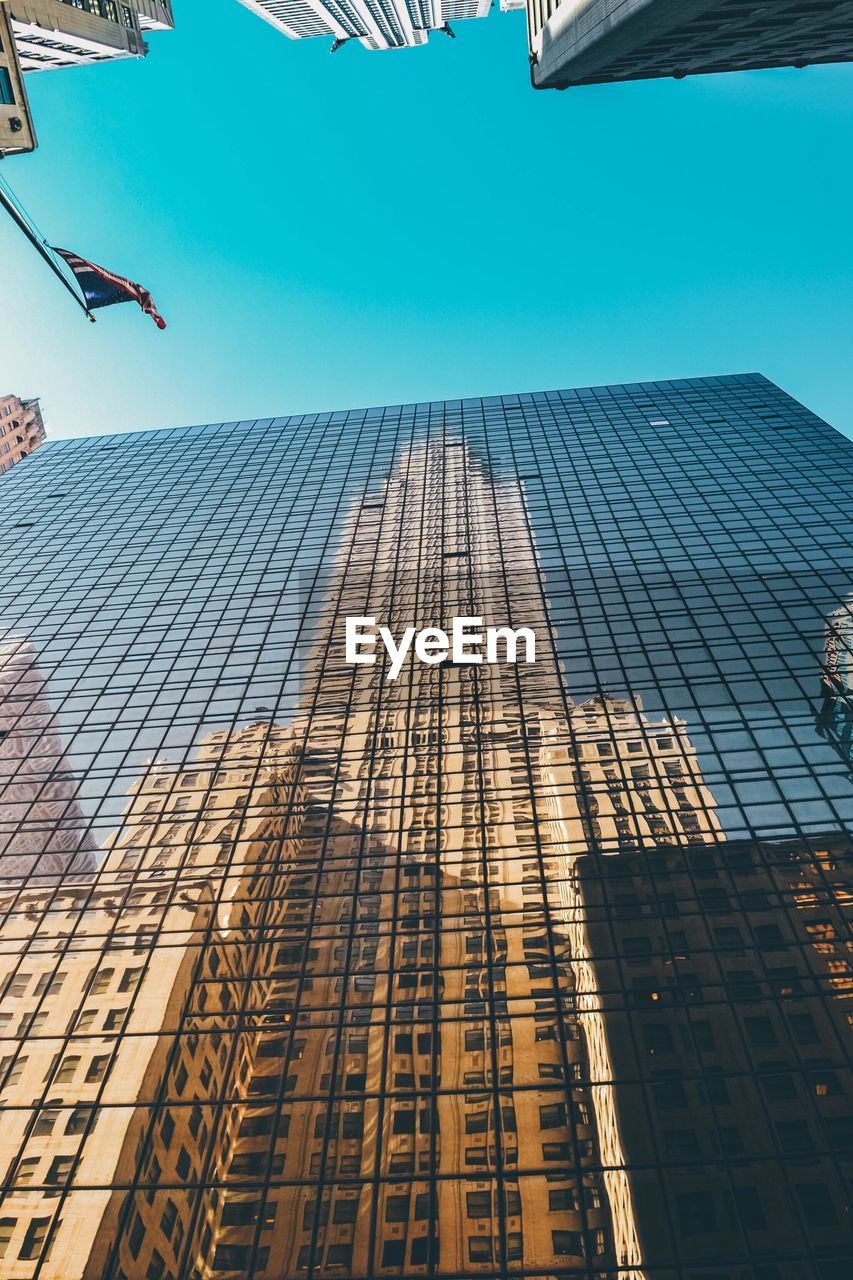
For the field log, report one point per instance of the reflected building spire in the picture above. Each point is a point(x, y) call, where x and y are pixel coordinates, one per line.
point(365, 935)
point(363, 949)
point(402, 1015)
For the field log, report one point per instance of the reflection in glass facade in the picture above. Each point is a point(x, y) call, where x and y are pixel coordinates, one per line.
point(836, 710)
point(502, 970)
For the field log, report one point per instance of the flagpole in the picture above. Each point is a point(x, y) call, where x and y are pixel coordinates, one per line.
point(18, 217)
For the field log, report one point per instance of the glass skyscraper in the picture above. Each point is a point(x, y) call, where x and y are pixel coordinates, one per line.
point(514, 969)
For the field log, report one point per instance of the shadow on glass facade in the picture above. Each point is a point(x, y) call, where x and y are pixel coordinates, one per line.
point(534, 970)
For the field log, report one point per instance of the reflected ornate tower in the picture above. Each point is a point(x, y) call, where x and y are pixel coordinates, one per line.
point(400, 1014)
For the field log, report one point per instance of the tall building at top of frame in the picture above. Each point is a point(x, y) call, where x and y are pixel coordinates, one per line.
point(575, 42)
point(68, 33)
point(377, 24)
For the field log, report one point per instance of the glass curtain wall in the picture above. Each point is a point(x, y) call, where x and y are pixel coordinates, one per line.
point(496, 970)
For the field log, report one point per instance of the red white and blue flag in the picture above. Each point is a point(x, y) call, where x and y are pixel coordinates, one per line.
point(102, 288)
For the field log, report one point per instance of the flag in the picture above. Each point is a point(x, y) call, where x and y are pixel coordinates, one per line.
point(102, 288)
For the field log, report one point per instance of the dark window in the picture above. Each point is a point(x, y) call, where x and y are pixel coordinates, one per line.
point(7, 97)
point(696, 1213)
point(567, 1243)
point(393, 1253)
point(750, 1209)
point(479, 1204)
point(404, 1121)
point(761, 1033)
point(816, 1202)
point(553, 1116)
point(397, 1208)
point(480, 1248)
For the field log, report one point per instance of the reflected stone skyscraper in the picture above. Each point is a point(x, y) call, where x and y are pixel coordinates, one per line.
point(468, 1022)
point(100, 1019)
point(42, 828)
point(835, 718)
point(420, 976)
point(471, 972)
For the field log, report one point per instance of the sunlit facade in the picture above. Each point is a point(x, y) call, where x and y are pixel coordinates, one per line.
point(21, 429)
point(376, 24)
point(69, 33)
point(521, 969)
point(576, 42)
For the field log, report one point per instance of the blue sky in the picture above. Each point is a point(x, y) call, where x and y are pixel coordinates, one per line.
point(383, 227)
